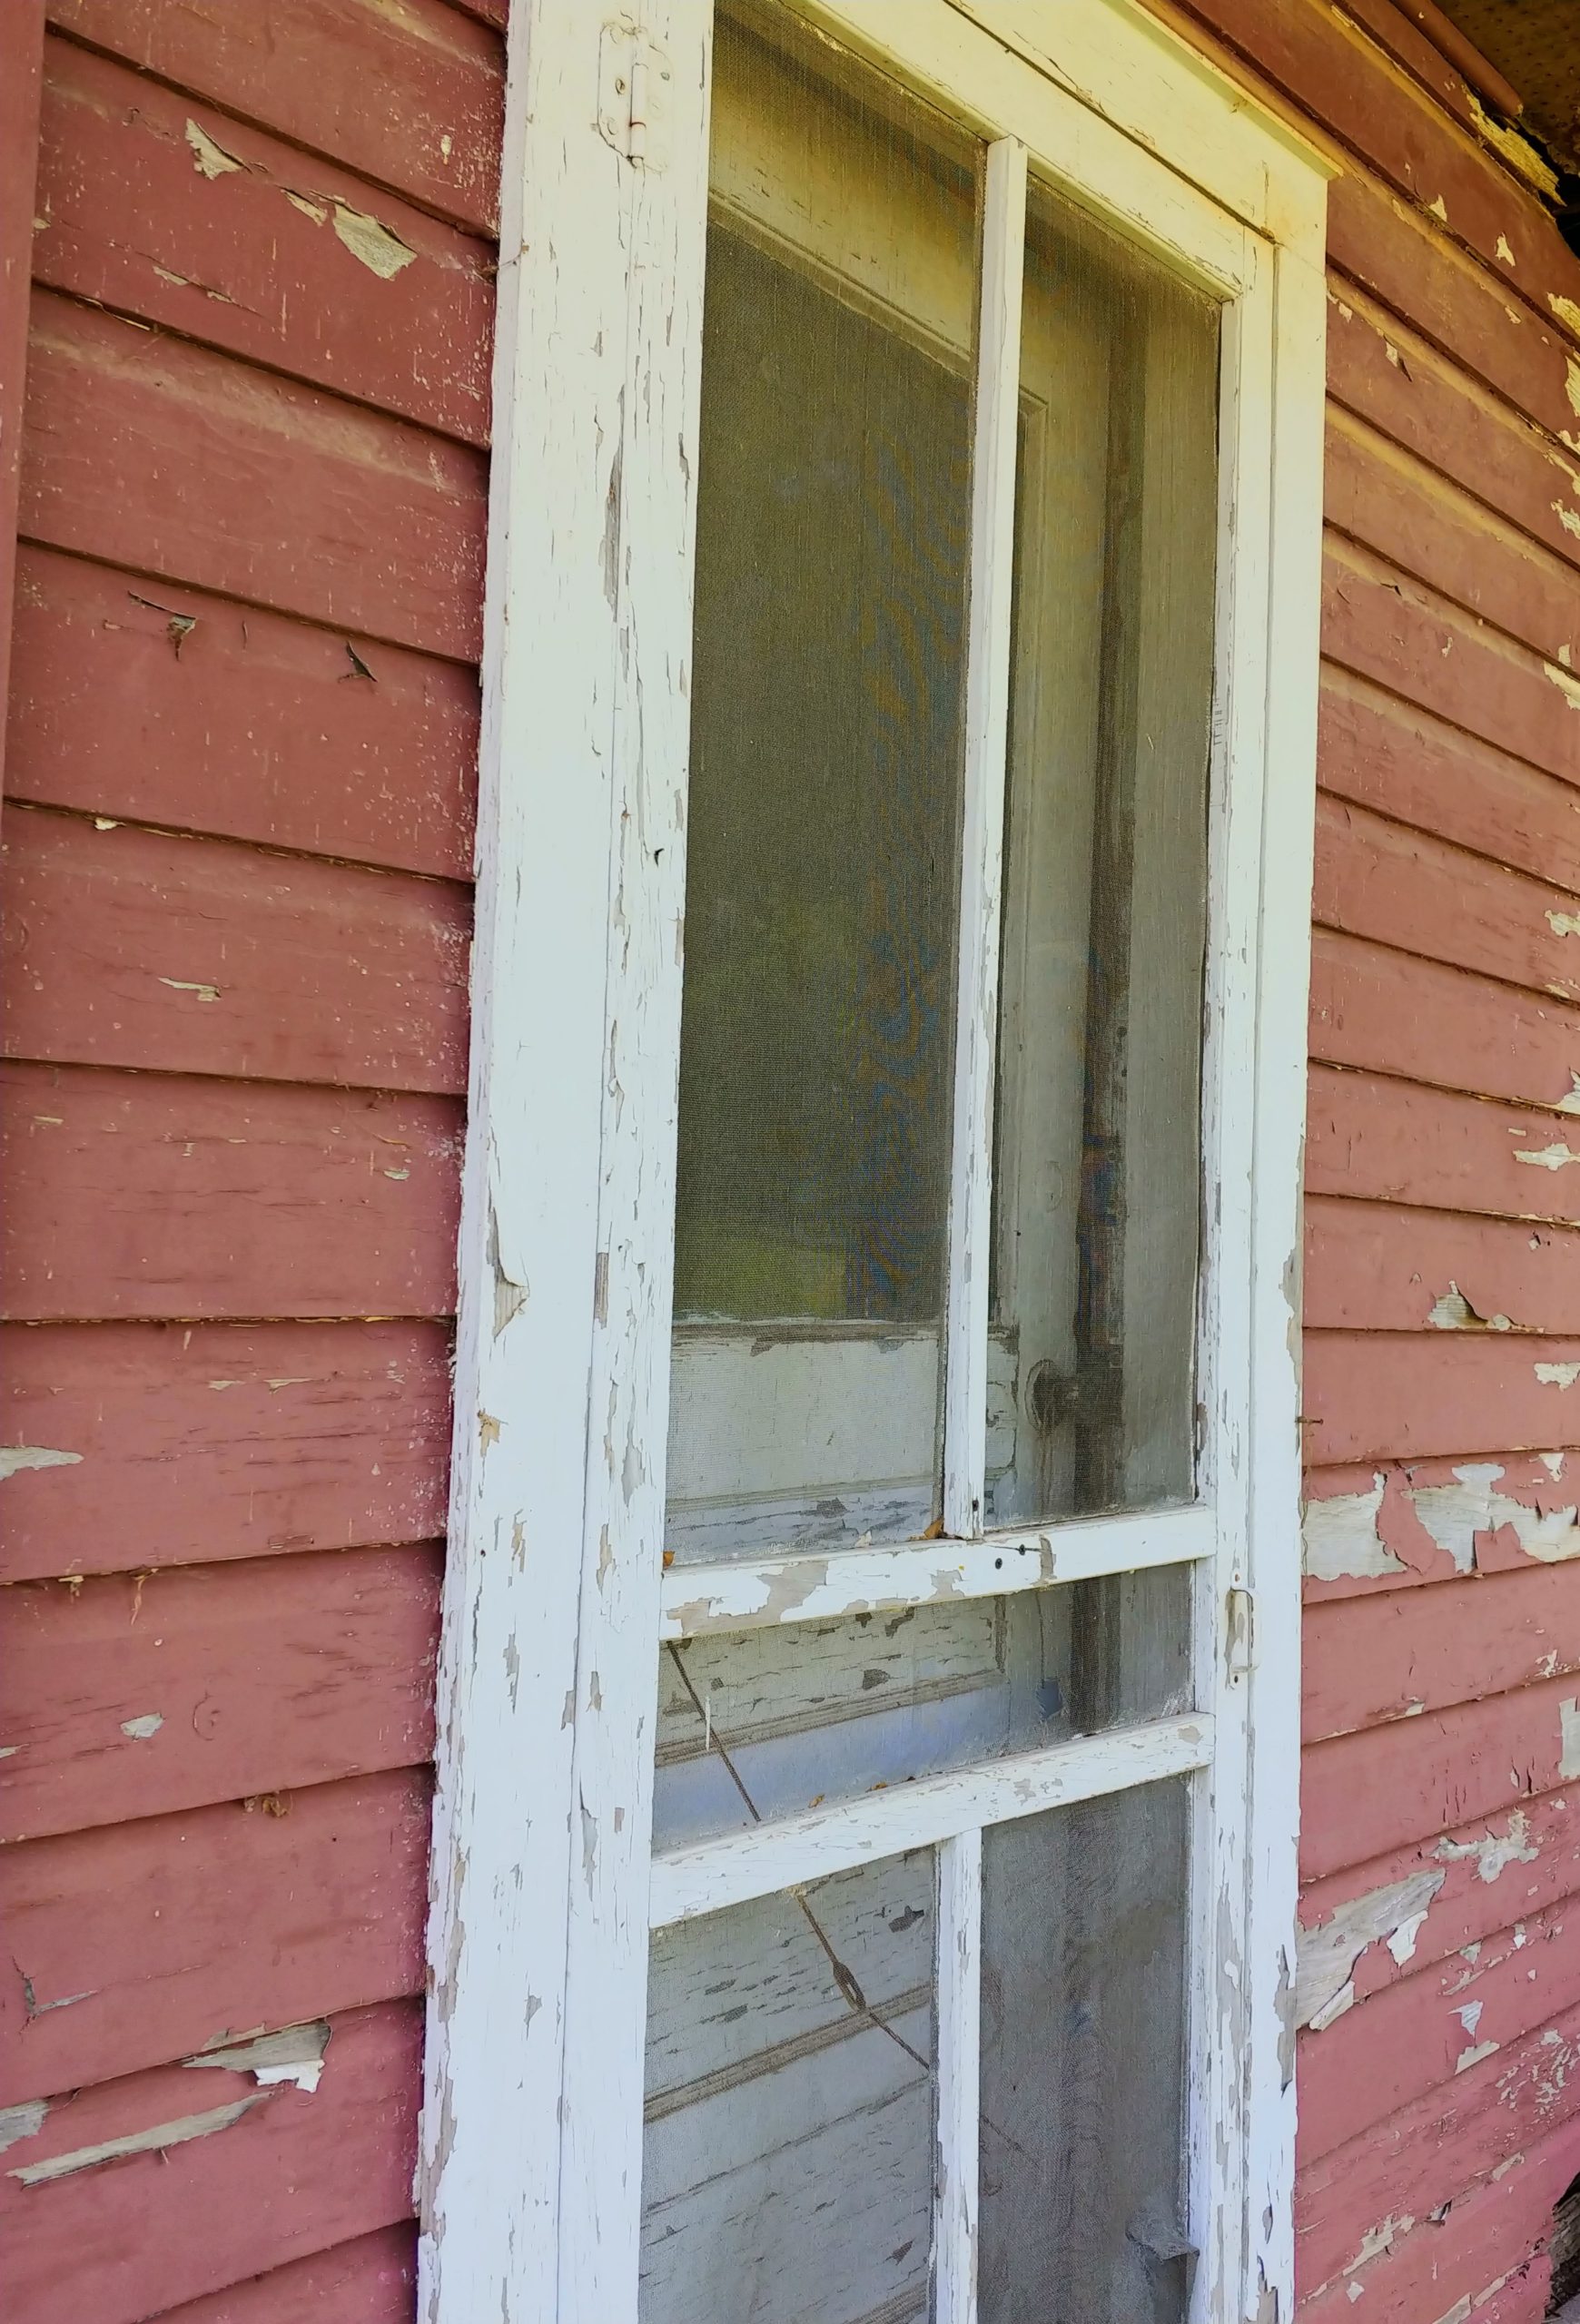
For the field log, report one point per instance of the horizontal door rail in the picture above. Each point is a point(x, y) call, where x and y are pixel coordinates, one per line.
point(710, 1875)
point(809, 1586)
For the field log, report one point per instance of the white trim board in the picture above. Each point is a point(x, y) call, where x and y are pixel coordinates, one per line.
point(530, 2176)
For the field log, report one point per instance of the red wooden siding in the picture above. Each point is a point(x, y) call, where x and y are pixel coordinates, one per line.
point(239, 772)
point(237, 837)
point(1439, 1994)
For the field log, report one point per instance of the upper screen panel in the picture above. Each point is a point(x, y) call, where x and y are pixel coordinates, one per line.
point(1098, 1143)
point(832, 539)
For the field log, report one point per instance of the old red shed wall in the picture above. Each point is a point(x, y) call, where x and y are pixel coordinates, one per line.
point(239, 773)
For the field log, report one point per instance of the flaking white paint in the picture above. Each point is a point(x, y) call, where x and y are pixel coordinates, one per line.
point(1329, 1952)
point(1493, 1852)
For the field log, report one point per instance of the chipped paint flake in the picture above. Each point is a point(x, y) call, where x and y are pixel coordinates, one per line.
point(1475, 2055)
point(153, 2141)
point(1438, 208)
point(1547, 1158)
point(23, 2121)
point(181, 984)
point(294, 2055)
point(16, 1458)
point(1566, 310)
point(382, 253)
point(1341, 1539)
point(1525, 159)
point(1504, 250)
point(211, 161)
point(1558, 1375)
point(1569, 1739)
point(1493, 1852)
point(1380, 2238)
point(146, 1726)
point(316, 211)
point(1454, 1313)
point(1567, 684)
point(1329, 1952)
point(1402, 1943)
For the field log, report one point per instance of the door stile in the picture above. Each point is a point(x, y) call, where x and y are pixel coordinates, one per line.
point(529, 2182)
point(956, 2199)
point(987, 711)
point(1272, 1712)
point(1224, 1610)
point(650, 542)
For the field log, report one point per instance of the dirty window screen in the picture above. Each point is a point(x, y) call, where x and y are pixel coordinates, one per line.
point(791, 2105)
point(1096, 1170)
point(1083, 2064)
point(822, 877)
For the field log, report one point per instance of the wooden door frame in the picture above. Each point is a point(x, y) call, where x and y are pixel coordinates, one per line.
point(529, 2180)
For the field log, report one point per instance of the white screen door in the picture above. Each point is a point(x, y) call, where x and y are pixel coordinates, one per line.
point(938, 1227)
point(916, 1791)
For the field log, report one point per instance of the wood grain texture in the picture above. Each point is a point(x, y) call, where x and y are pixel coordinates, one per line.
point(174, 459)
point(250, 245)
point(1369, 1660)
point(125, 947)
point(372, 2280)
point(1392, 2049)
point(1344, 83)
point(1385, 1267)
point(1363, 1795)
point(1375, 1396)
point(243, 723)
point(1427, 526)
point(1382, 626)
point(434, 133)
point(132, 1696)
point(1490, 2225)
point(171, 1196)
point(163, 1445)
point(21, 71)
point(1467, 311)
point(137, 1943)
point(1391, 1141)
point(292, 2174)
point(1398, 758)
point(1423, 1022)
point(1385, 373)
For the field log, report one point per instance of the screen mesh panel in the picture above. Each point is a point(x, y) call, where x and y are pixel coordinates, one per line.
point(833, 530)
point(1083, 2064)
point(1097, 1169)
point(788, 2155)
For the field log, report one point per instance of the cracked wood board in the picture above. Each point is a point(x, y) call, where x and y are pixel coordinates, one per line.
point(133, 1195)
point(186, 955)
point(261, 728)
point(131, 1695)
point(281, 258)
point(434, 133)
point(136, 1943)
point(290, 2173)
point(212, 1442)
point(159, 454)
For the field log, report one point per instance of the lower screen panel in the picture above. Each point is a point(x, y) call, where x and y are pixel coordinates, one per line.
point(1083, 2064)
point(788, 2158)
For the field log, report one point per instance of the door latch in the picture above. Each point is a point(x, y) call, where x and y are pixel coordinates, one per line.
point(634, 89)
point(1240, 1611)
